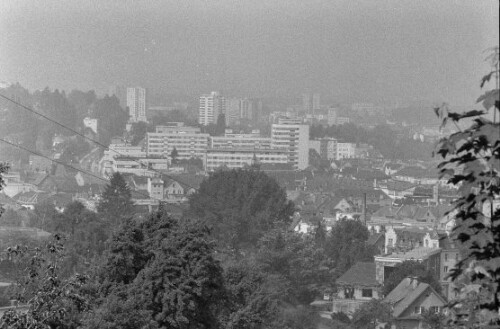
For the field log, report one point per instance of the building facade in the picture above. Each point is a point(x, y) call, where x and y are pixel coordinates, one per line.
point(295, 139)
point(211, 106)
point(189, 142)
point(136, 104)
point(240, 158)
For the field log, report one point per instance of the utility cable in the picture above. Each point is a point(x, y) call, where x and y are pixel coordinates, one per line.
point(90, 139)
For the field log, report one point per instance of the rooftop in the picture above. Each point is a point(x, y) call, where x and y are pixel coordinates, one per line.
point(360, 274)
point(420, 253)
point(406, 293)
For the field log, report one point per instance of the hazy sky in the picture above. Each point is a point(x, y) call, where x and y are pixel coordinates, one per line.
point(366, 51)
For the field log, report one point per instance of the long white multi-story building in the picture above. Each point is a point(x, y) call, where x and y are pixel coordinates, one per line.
point(239, 158)
point(294, 138)
point(211, 106)
point(136, 104)
point(188, 141)
point(240, 141)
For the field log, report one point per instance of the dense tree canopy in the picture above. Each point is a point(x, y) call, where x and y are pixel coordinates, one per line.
point(240, 205)
point(164, 269)
point(346, 245)
point(390, 143)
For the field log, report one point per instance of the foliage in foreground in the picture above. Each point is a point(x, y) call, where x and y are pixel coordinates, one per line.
point(471, 157)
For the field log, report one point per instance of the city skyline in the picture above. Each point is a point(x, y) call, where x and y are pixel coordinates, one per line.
point(351, 52)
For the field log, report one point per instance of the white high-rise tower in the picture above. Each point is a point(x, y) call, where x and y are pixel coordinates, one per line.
point(136, 104)
point(211, 106)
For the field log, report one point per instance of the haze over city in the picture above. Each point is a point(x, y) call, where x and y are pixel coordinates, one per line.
point(267, 164)
point(386, 51)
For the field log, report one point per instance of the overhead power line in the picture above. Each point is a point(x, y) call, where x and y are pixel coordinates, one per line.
point(77, 169)
point(88, 138)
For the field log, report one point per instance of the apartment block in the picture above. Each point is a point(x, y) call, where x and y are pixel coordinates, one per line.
point(240, 158)
point(211, 106)
point(188, 141)
point(136, 104)
point(295, 139)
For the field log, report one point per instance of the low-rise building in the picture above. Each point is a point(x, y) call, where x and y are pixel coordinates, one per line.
point(409, 300)
point(429, 257)
point(139, 166)
point(355, 287)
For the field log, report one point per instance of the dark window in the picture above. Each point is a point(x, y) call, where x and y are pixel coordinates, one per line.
point(367, 293)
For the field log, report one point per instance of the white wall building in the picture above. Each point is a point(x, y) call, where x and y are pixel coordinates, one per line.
point(211, 105)
point(345, 150)
point(295, 139)
point(136, 104)
point(250, 141)
point(139, 166)
point(239, 158)
point(90, 123)
point(188, 141)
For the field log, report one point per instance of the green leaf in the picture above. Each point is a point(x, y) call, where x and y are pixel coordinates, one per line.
point(489, 98)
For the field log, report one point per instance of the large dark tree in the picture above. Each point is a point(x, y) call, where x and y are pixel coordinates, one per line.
point(298, 261)
point(116, 202)
point(163, 271)
point(370, 314)
point(126, 255)
point(346, 245)
point(183, 285)
point(240, 205)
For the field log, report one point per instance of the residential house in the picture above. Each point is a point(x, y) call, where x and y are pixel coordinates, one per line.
point(355, 287)
point(391, 168)
point(408, 215)
point(396, 189)
point(409, 299)
point(408, 238)
point(357, 196)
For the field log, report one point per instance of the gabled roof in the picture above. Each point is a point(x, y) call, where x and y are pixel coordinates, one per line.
point(360, 274)
point(399, 185)
point(359, 192)
point(36, 178)
point(417, 172)
point(406, 293)
point(6, 200)
point(387, 212)
point(374, 238)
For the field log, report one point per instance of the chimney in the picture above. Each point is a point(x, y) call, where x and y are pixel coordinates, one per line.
point(413, 282)
point(435, 194)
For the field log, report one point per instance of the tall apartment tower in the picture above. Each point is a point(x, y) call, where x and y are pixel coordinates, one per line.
point(294, 138)
point(211, 106)
point(136, 104)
